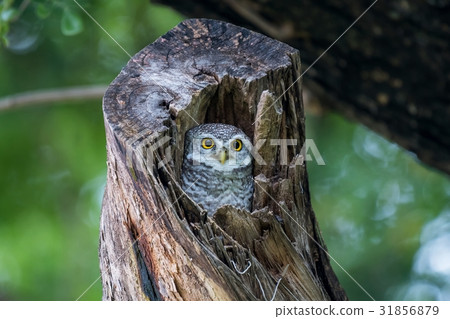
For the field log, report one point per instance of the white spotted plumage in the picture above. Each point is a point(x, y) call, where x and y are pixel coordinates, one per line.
point(220, 174)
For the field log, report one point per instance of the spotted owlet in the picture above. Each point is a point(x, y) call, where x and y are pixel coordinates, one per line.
point(217, 167)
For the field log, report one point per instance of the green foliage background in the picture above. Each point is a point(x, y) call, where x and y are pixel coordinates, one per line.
point(384, 217)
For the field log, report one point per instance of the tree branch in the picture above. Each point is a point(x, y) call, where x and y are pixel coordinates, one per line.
point(52, 95)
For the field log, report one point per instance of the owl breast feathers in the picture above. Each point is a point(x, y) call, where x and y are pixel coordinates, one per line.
point(217, 167)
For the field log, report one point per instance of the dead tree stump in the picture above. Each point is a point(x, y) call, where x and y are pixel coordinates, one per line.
point(155, 242)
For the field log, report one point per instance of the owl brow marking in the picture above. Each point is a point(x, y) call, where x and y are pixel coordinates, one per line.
point(318, 244)
point(316, 60)
point(134, 242)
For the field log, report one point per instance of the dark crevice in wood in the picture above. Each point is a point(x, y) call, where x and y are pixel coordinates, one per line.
point(146, 281)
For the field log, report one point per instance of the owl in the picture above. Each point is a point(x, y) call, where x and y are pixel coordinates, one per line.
point(217, 167)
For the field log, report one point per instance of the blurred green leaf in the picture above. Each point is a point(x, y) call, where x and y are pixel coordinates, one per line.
point(71, 23)
point(42, 11)
point(3, 31)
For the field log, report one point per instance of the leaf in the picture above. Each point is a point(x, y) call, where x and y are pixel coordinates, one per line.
point(42, 11)
point(4, 41)
point(71, 23)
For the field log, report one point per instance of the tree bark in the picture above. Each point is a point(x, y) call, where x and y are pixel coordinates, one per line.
point(390, 71)
point(155, 242)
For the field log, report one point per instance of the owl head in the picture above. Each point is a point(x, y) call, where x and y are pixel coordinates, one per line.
point(218, 146)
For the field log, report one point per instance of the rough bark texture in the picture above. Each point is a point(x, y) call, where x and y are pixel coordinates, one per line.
point(391, 71)
point(155, 242)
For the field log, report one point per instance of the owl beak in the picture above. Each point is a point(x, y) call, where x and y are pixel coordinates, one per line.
point(223, 155)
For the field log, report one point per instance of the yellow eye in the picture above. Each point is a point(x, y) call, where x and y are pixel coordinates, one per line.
point(207, 143)
point(236, 145)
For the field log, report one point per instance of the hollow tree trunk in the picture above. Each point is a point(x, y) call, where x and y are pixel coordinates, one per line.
point(390, 71)
point(155, 242)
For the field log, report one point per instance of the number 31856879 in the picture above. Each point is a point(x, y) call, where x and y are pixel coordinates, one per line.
point(409, 310)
